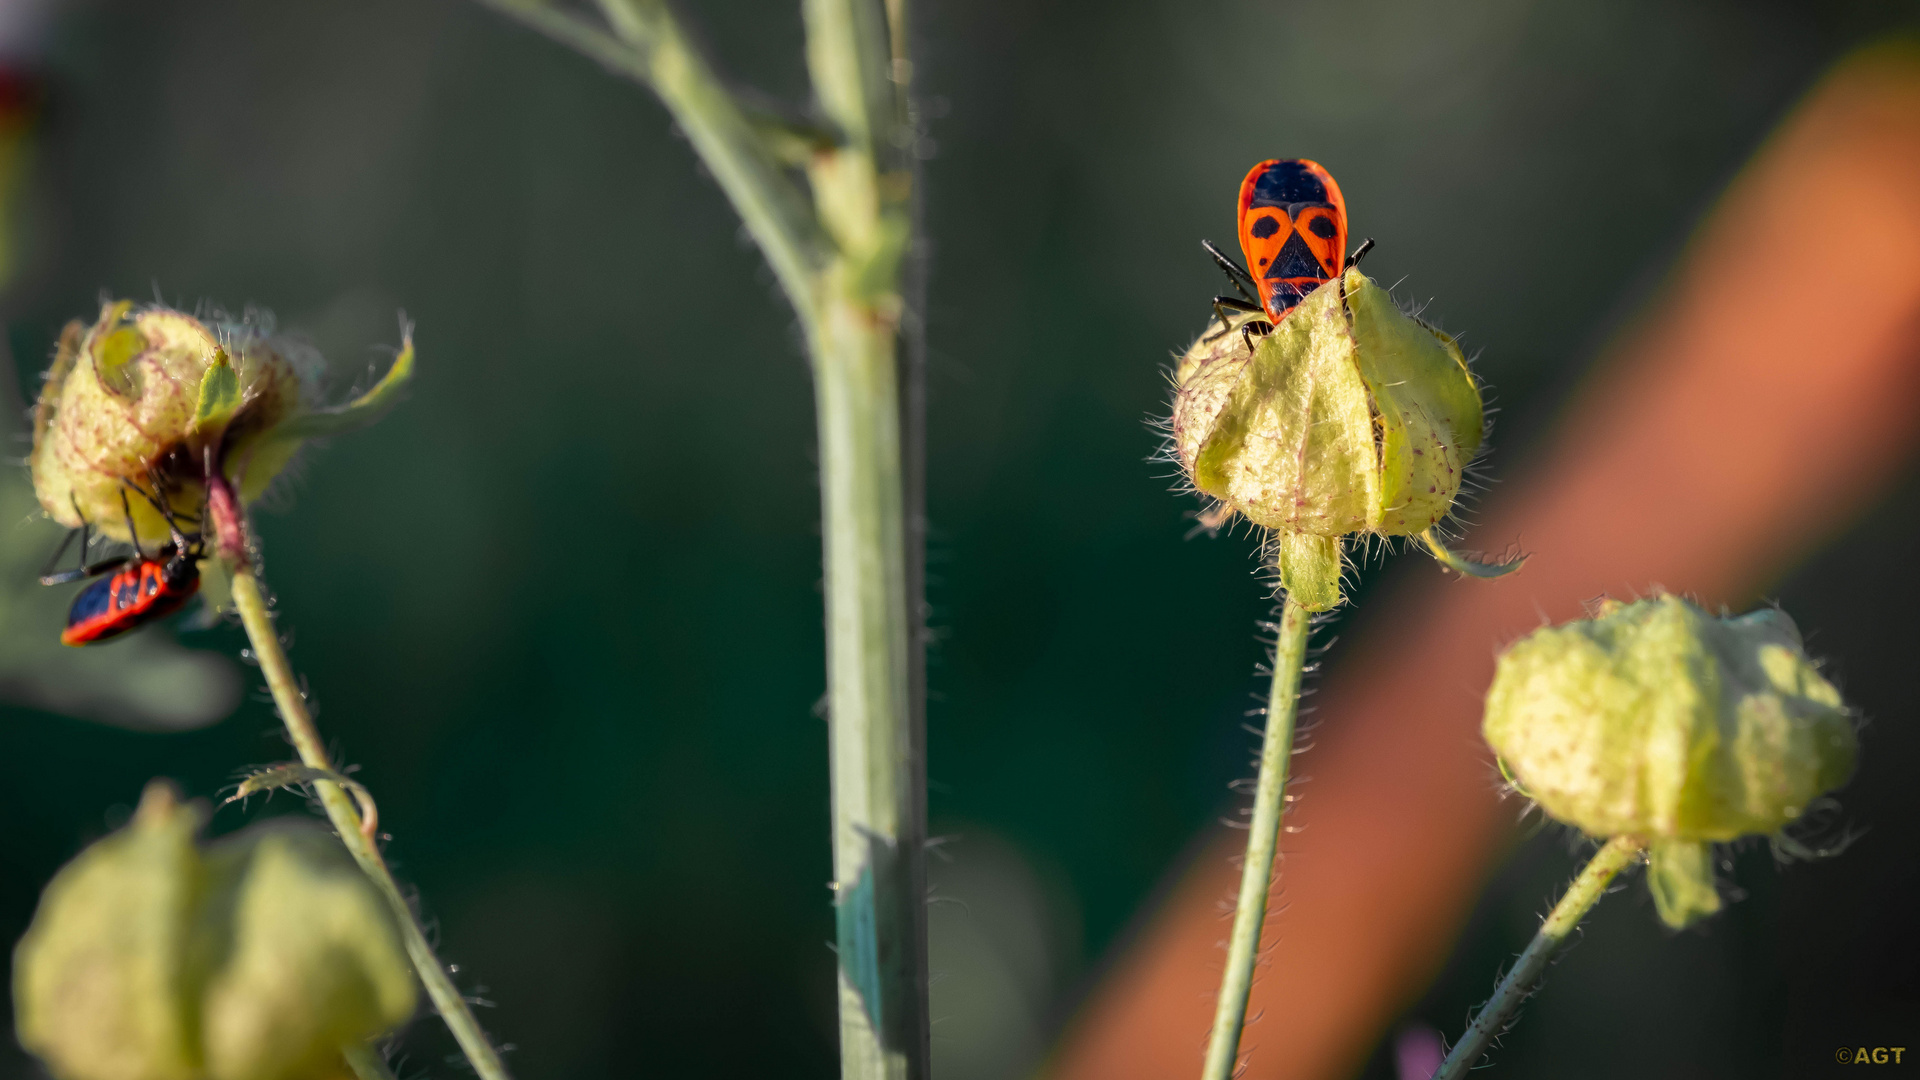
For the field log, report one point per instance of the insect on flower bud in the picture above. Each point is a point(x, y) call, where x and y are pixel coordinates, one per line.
point(1657, 720)
point(255, 957)
point(146, 397)
point(1348, 417)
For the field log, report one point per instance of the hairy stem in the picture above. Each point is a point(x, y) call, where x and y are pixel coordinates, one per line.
point(772, 206)
point(249, 600)
point(878, 768)
point(1256, 876)
point(1619, 853)
point(862, 192)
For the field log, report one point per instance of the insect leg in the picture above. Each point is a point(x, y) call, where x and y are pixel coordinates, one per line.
point(85, 569)
point(47, 574)
point(132, 534)
point(1360, 253)
point(173, 523)
point(1234, 271)
point(1224, 304)
point(1253, 326)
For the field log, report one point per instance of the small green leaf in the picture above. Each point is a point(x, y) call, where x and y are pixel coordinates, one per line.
point(219, 393)
point(293, 774)
point(1468, 567)
point(1680, 873)
point(359, 412)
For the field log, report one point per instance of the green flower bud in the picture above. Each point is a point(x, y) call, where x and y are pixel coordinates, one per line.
point(149, 396)
point(1349, 417)
point(256, 957)
point(1657, 720)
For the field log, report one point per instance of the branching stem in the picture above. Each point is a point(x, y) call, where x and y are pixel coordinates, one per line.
point(249, 600)
point(1586, 890)
point(841, 261)
point(1263, 836)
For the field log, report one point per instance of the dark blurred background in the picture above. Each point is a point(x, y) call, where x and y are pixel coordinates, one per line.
point(563, 605)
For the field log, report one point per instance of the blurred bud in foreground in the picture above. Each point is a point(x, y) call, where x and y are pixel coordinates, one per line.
point(1657, 720)
point(255, 957)
point(150, 396)
point(1349, 417)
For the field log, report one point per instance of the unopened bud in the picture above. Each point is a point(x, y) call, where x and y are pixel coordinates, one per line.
point(1657, 720)
point(146, 400)
point(256, 957)
point(1348, 417)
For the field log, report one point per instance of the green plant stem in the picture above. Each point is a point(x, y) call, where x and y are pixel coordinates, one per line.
point(249, 600)
point(1586, 890)
point(1263, 836)
point(841, 263)
point(366, 1061)
point(878, 797)
point(772, 207)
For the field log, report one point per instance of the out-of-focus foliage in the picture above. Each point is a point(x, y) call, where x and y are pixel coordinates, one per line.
point(253, 958)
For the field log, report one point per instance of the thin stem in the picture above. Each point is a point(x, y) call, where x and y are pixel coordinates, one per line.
point(772, 206)
point(1256, 876)
point(366, 1061)
point(1586, 890)
point(578, 34)
point(292, 702)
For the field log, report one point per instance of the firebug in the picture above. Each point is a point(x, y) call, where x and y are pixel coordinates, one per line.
point(138, 590)
point(1293, 232)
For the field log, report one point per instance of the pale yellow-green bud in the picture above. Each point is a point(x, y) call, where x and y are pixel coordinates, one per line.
point(149, 396)
point(1657, 720)
point(256, 957)
point(1349, 417)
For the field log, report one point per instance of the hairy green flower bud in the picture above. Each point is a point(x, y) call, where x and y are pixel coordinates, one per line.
point(1349, 417)
point(256, 957)
point(1657, 720)
point(150, 396)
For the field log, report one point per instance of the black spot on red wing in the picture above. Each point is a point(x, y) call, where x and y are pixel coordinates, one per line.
point(1263, 262)
point(1322, 228)
point(1285, 183)
point(1265, 227)
point(1296, 260)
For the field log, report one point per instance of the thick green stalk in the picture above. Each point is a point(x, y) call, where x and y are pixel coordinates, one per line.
point(862, 192)
point(877, 768)
point(1618, 854)
point(292, 702)
point(1263, 838)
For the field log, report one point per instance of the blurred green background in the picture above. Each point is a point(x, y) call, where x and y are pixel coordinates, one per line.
point(563, 605)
